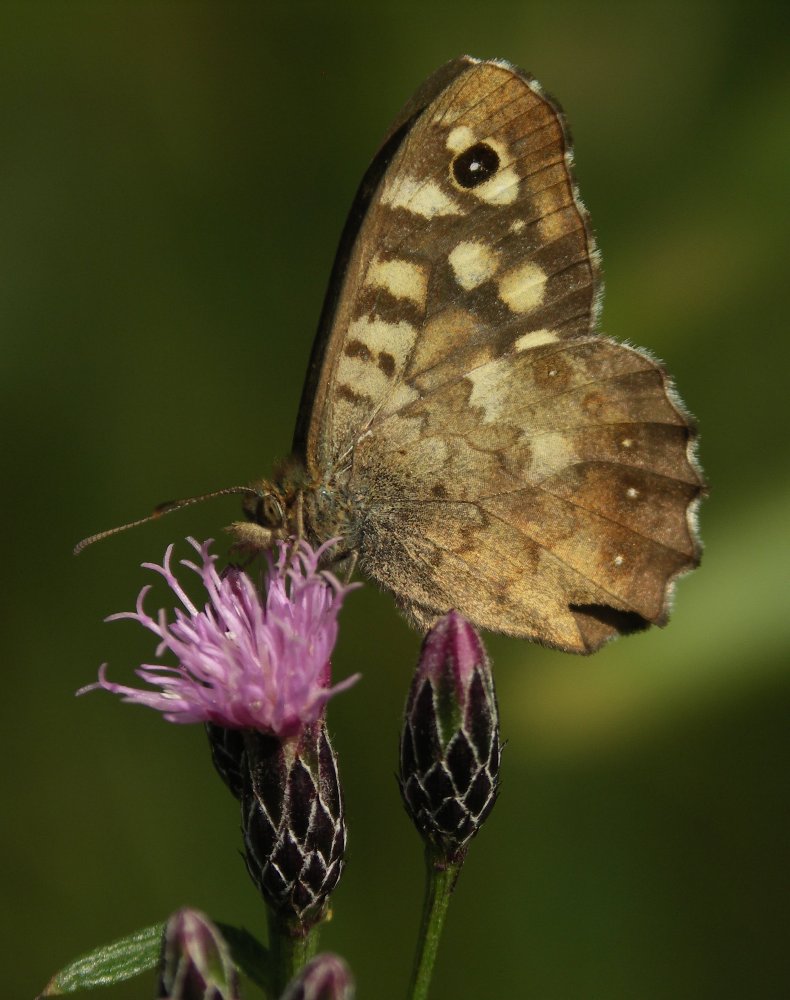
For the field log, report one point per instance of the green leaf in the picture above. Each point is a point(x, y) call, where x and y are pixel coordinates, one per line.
point(249, 954)
point(140, 951)
point(111, 963)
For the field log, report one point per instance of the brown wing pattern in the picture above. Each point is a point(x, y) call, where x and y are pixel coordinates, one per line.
point(558, 506)
point(439, 267)
point(503, 460)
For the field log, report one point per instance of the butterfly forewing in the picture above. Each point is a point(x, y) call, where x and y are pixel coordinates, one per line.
point(449, 267)
point(502, 459)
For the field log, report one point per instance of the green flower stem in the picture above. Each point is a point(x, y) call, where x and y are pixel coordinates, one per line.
point(289, 951)
point(440, 878)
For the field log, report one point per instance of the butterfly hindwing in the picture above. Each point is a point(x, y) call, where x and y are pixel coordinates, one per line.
point(542, 506)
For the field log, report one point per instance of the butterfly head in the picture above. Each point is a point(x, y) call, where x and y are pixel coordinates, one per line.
point(269, 517)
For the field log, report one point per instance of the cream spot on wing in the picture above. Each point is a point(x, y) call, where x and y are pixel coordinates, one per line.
point(618, 560)
point(420, 197)
point(535, 338)
point(632, 493)
point(472, 264)
point(627, 443)
point(404, 279)
point(395, 339)
point(460, 138)
point(550, 454)
point(362, 377)
point(502, 189)
point(517, 226)
point(522, 289)
point(401, 396)
point(489, 388)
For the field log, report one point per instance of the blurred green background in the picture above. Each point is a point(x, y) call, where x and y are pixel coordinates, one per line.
point(173, 180)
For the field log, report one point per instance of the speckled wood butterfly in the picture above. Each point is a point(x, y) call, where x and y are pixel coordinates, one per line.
point(463, 429)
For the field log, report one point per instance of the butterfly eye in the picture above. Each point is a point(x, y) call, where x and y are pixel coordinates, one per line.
point(271, 511)
point(475, 165)
point(264, 509)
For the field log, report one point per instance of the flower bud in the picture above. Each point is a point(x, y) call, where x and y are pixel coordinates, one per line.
point(325, 978)
point(293, 824)
point(450, 750)
point(196, 962)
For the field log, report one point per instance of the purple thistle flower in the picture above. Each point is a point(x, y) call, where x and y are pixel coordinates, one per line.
point(246, 660)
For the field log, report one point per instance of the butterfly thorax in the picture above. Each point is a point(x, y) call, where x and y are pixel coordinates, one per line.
point(295, 504)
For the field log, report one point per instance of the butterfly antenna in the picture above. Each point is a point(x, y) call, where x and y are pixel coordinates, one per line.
point(159, 511)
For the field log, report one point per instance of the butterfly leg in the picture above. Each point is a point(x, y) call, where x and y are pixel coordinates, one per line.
point(341, 561)
point(294, 524)
point(351, 565)
point(299, 515)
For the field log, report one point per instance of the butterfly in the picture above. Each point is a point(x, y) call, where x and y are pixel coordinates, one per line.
point(464, 431)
